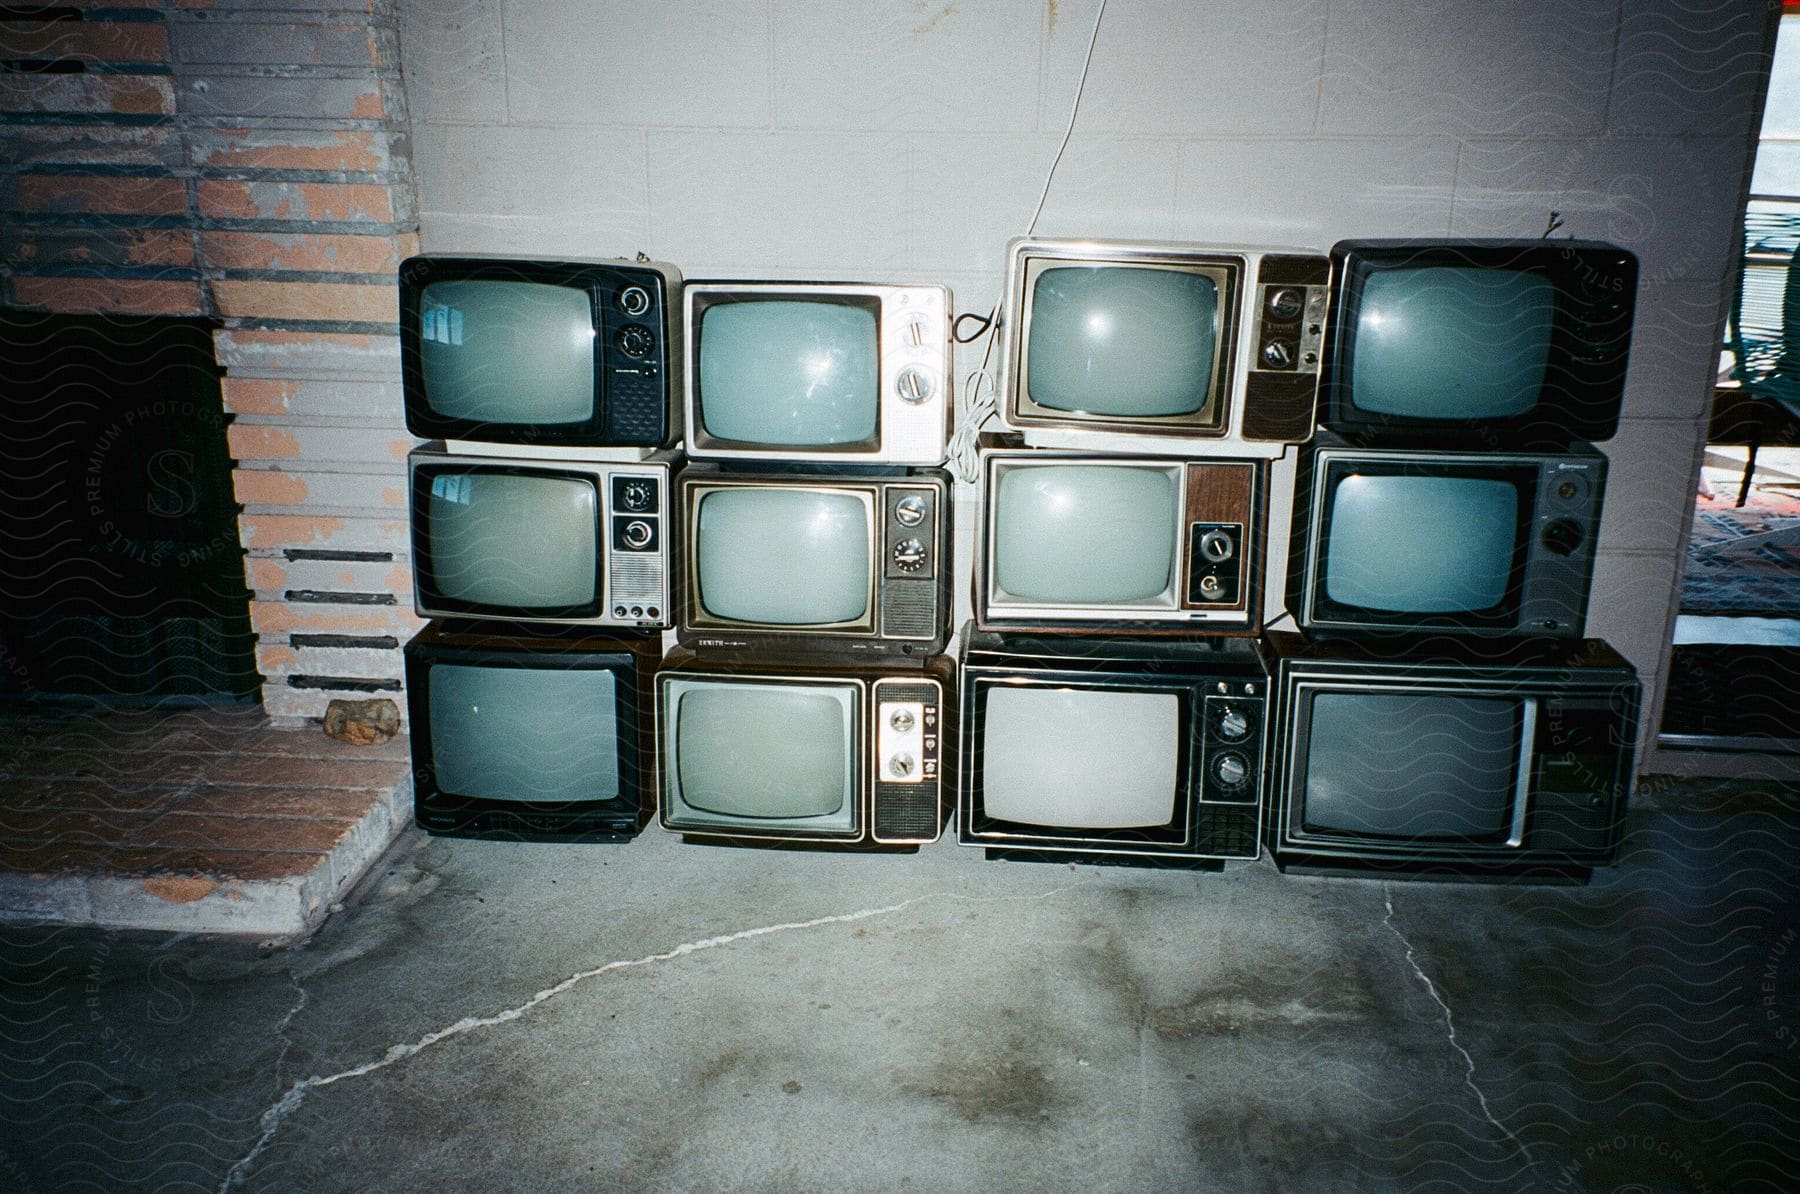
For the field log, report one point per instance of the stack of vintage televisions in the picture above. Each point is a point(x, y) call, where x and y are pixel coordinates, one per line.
point(541, 532)
point(808, 702)
point(1115, 704)
point(1437, 710)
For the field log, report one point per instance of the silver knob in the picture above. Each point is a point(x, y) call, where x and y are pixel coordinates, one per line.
point(1278, 354)
point(1233, 725)
point(1211, 588)
point(1231, 770)
point(1286, 303)
point(634, 300)
point(1216, 546)
point(901, 765)
point(915, 385)
point(902, 720)
point(909, 511)
point(637, 533)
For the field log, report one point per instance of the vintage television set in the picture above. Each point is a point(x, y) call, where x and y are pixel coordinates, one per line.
point(1136, 750)
point(1479, 543)
point(841, 372)
point(1149, 346)
point(533, 736)
point(558, 355)
point(538, 540)
point(1502, 343)
point(849, 562)
point(771, 749)
point(1510, 758)
point(1125, 544)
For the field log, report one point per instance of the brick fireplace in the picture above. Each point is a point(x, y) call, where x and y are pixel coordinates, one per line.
point(247, 162)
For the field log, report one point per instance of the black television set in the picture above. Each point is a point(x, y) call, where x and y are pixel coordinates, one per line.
point(553, 354)
point(773, 749)
point(530, 736)
point(1149, 346)
point(1505, 760)
point(1118, 544)
point(1136, 751)
point(853, 561)
point(1486, 543)
point(829, 372)
point(540, 540)
point(1503, 343)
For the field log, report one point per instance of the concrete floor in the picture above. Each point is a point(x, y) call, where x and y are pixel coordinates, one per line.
point(666, 1017)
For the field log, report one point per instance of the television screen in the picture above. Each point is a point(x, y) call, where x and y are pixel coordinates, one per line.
point(1124, 341)
point(1452, 342)
point(493, 350)
point(1085, 534)
point(1411, 765)
point(1081, 758)
point(764, 754)
point(784, 556)
point(1420, 544)
point(799, 372)
point(514, 540)
point(546, 736)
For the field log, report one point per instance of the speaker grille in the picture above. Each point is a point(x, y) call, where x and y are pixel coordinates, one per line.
point(1280, 407)
point(1226, 832)
point(906, 811)
point(909, 609)
point(637, 578)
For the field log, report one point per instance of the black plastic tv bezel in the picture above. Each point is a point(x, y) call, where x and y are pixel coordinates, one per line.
point(432, 596)
point(1502, 616)
point(1584, 387)
point(600, 282)
point(616, 818)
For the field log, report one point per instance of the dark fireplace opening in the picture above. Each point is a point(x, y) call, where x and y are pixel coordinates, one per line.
point(121, 573)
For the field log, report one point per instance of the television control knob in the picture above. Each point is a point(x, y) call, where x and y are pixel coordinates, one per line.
point(1216, 546)
point(901, 765)
point(912, 332)
point(1562, 537)
point(636, 495)
point(1231, 770)
point(634, 300)
point(1286, 303)
point(909, 511)
point(1233, 724)
point(1278, 354)
point(638, 533)
point(915, 386)
point(1211, 587)
point(635, 340)
point(902, 720)
point(909, 555)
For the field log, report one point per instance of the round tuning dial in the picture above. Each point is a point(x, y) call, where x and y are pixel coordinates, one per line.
point(1278, 354)
point(636, 495)
point(915, 385)
point(1233, 724)
point(909, 511)
point(1216, 546)
point(635, 340)
point(902, 720)
point(909, 555)
point(901, 765)
point(1231, 770)
point(1562, 537)
point(634, 300)
point(1286, 303)
point(638, 533)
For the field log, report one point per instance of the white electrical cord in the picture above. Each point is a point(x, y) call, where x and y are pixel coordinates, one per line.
point(976, 401)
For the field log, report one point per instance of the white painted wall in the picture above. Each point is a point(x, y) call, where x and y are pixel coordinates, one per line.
point(909, 139)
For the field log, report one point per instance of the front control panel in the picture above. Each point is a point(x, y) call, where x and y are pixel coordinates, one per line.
point(636, 573)
point(1231, 742)
point(1287, 341)
point(908, 760)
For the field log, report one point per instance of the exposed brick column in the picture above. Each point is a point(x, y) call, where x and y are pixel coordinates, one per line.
point(249, 161)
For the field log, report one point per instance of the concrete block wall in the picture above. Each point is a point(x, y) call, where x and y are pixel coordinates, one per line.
point(247, 160)
point(908, 140)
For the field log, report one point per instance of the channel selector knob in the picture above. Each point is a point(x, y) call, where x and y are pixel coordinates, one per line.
point(1216, 546)
point(638, 533)
point(915, 386)
point(1233, 725)
point(909, 511)
point(636, 495)
point(909, 555)
point(902, 720)
point(901, 765)
point(1562, 537)
point(635, 340)
point(1286, 303)
point(1278, 354)
point(634, 300)
point(1231, 770)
